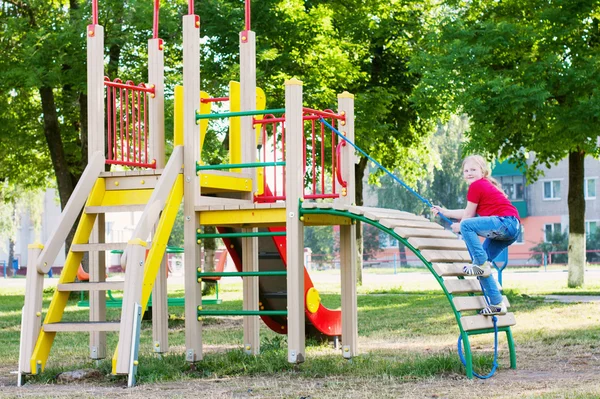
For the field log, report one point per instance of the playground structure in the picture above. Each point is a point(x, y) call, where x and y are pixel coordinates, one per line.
point(304, 176)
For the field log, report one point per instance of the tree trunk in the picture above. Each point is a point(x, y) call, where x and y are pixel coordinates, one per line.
point(576, 202)
point(359, 172)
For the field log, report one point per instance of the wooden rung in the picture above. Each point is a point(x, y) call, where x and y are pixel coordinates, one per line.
point(99, 286)
point(116, 208)
point(109, 246)
point(479, 322)
point(423, 224)
point(451, 269)
point(433, 255)
point(395, 216)
point(462, 286)
point(84, 326)
point(437, 243)
point(463, 303)
point(408, 232)
point(137, 172)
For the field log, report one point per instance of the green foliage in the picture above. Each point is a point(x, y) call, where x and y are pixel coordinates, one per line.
point(524, 72)
point(559, 242)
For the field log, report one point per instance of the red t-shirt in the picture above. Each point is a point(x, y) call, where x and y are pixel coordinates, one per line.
point(490, 200)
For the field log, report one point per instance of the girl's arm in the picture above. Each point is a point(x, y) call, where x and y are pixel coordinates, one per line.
point(449, 213)
point(470, 211)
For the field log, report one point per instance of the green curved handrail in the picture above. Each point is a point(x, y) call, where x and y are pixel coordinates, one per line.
point(464, 334)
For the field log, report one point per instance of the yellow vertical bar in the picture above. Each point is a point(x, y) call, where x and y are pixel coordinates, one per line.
point(178, 117)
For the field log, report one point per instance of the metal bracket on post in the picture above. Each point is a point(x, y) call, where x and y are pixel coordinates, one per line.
point(346, 352)
point(189, 355)
point(248, 349)
point(135, 341)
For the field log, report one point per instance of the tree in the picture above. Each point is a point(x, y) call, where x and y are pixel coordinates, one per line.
point(525, 73)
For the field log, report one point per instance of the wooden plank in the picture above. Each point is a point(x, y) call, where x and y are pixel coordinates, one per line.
point(116, 208)
point(394, 216)
point(99, 286)
point(393, 223)
point(142, 172)
point(463, 303)
point(451, 269)
point(465, 286)
point(447, 256)
point(437, 243)
point(84, 326)
point(108, 246)
point(131, 182)
point(408, 232)
point(479, 322)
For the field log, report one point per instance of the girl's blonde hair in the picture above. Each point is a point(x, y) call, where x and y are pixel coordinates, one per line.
point(481, 162)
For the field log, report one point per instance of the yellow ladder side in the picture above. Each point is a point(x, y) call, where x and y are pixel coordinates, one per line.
point(158, 248)
point(68, 274)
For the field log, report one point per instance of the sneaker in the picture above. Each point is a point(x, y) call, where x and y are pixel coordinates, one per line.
point(477, 270)
point(492, 310)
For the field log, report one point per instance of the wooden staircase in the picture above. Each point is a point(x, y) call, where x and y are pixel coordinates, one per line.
point(156, 193)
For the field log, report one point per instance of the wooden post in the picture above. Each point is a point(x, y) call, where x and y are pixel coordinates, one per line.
point(32, 310)
point(348, 234)
point(160, 310)
point(191, 186)
point(250, 244)
point(96, 141)
point(132, 296)
point(295, 228)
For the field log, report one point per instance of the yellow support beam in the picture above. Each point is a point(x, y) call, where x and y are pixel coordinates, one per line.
point(220, 183)
point(127, 197)
point(326, 220)
point(68, 274)
point(244, 217)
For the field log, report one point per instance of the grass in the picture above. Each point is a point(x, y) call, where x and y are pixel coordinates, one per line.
point(409, 334)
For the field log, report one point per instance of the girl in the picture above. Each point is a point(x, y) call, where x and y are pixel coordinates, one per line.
point(498, 222)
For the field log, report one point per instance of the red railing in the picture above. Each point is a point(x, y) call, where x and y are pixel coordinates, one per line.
point(127, 123)
point(321, 153)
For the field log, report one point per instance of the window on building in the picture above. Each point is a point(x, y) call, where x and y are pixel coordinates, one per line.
point(591, 226)
point(552, 189)
point(550, 229)
point(589, 188)
point(514, 187)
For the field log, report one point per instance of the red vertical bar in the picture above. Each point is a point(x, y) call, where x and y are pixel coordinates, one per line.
point(314, 158)
point(283, 152)
point(108, 122)
point(322, 158)
point(146, 160)
point(114, 109)
point(138, 154)
point(263, 130)
point(333, 182)
point(123, 118)
point(190, 7)
point(95, 12)
point(128, 110)
point(155, 20)
point(247, 12)
point(275, 158)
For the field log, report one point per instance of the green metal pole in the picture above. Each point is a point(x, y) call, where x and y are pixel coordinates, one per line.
point(241, 235)
point(243, 274)
point(239, 165)
point(239, 113)
point(242, 312)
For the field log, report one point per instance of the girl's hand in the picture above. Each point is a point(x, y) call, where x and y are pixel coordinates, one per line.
point(437, 209)
point(455, 227)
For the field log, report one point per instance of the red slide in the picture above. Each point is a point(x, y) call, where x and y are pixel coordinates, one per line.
point(273, 289)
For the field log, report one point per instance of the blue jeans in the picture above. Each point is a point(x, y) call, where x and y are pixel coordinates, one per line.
point(499, 233)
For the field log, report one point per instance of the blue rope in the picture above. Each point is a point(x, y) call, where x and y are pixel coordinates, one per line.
point(428, 203)
point(380, 166)
point(494, 364)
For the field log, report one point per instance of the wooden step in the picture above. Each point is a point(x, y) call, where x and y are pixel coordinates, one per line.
point(451, 269)
point(465, 286)
point(397, 215)
point(83, 326)
point(464, 303)
point(99, 286)
point(437, 243)
point(479, 322)
point(108, 246)
point(446, 256)
point(419, 224)
point(136, 172)
point(114, 208)
point(408, 232)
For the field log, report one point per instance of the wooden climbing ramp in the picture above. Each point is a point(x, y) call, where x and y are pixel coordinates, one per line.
point(443, 255)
